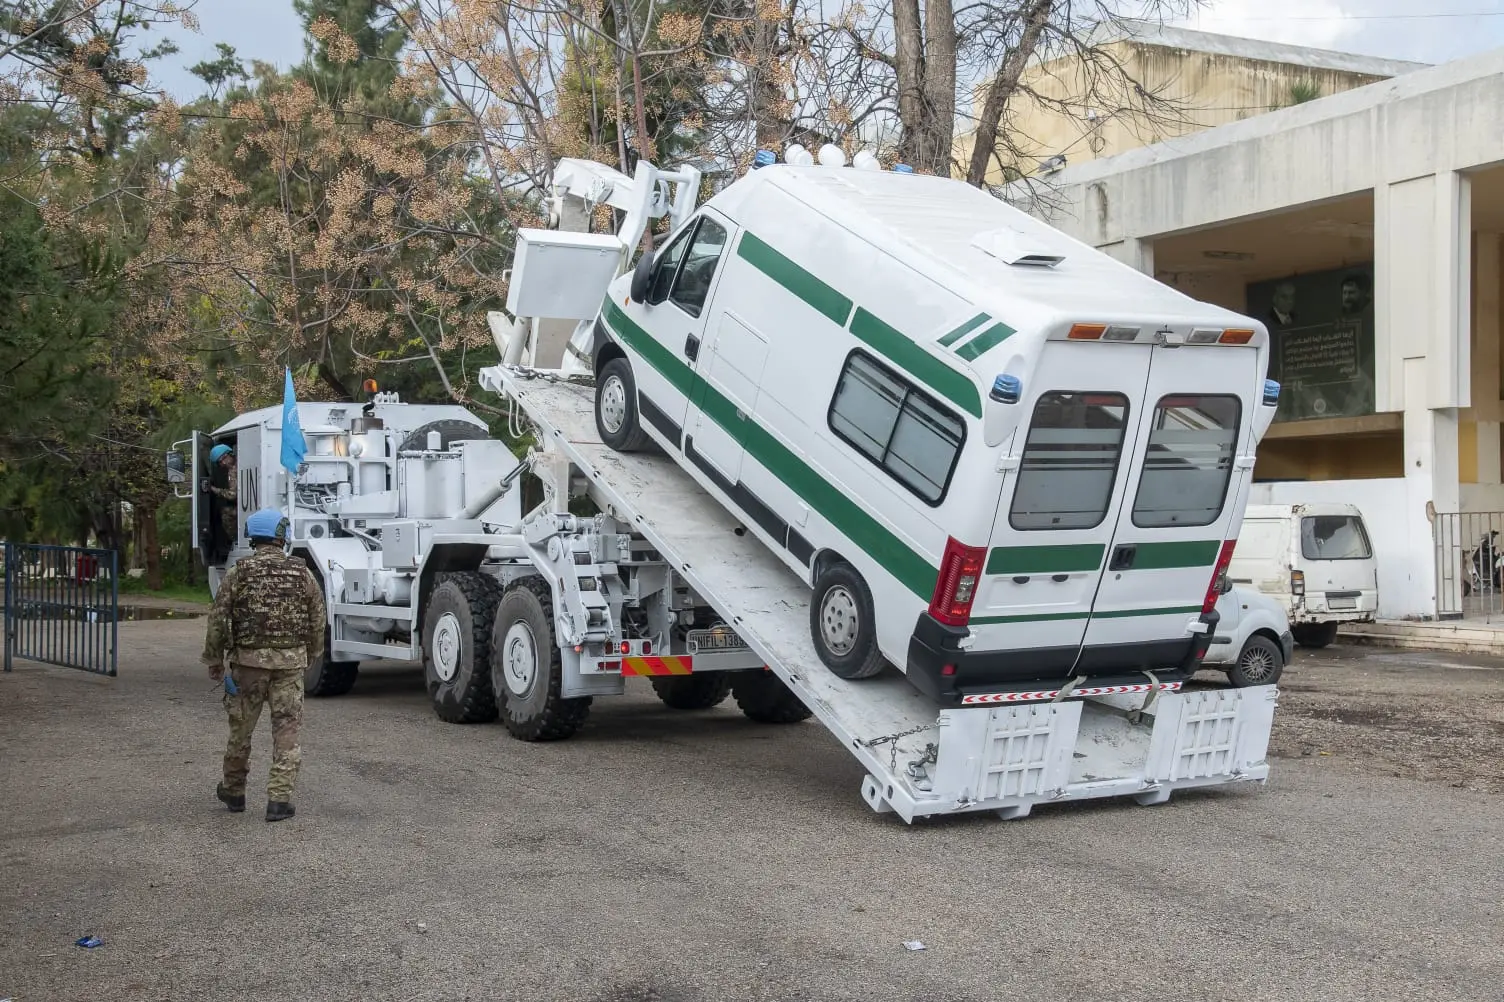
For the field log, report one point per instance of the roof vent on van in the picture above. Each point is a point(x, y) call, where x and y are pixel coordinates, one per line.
point(1012, 247)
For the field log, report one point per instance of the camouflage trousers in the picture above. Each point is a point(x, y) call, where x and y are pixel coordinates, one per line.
point(284, 691)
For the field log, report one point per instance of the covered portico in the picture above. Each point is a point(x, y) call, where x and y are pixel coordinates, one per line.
point(1365, 230)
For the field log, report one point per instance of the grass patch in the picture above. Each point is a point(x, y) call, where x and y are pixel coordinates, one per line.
point(174, 591)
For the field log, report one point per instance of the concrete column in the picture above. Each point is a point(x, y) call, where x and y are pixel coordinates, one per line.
point(1135, 253)
point(1423, 260)
point(1487, 410)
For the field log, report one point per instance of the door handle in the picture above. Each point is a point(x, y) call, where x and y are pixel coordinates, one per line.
point(1122, 557)
point(692, 346)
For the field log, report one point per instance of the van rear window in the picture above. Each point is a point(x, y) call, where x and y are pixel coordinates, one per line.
point(1188, 460)
point(1333, 537)
point(1070, 461)
point(882, 416)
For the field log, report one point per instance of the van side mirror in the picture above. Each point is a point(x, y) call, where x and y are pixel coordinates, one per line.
point(177, 470)
point(642, 278)
point(1224, 583)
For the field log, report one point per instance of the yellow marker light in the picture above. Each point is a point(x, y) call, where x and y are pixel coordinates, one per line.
point(1236, 337)
point(1087, 332)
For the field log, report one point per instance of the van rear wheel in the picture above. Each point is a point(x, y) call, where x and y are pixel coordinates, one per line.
point(616, 416)
point(842, 624)
point(1315, 635)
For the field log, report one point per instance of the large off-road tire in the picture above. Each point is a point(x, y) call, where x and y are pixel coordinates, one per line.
point(616, 416)
point(526, 670)
point(330, 678)
point(764, 698)
point(449, 431)
point(693, 692)
point(1315, 635)
point(457, 647)
point(1260, 662)
point(842, 625)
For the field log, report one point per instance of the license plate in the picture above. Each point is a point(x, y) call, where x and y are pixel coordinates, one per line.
point(1342, 603)
point(720, 638)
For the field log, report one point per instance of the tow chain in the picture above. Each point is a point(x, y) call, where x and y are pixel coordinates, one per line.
point(550, 376)
point(895, 738)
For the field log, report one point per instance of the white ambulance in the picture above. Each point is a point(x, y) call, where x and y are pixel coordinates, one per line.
point(998, 456)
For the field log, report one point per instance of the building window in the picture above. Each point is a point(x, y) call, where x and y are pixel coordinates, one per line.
point(1188, 461)
point(909, 435)
point(1070, 461)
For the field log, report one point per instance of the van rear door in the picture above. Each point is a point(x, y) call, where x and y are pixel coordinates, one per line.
point(1337, 559)
point(1055, 518)
point(1185, 482)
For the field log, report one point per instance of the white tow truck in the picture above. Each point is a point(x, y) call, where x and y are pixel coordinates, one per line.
point(425, 551)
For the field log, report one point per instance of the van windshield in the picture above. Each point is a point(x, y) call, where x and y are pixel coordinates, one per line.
point(1333, 537)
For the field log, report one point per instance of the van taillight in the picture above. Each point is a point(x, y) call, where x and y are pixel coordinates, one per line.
point(956, 587)
point(1223, 559)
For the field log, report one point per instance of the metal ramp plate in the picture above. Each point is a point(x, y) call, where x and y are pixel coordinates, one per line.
point(761, 598)
point(920, 759)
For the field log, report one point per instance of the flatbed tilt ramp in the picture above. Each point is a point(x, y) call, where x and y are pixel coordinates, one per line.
point(921, 759)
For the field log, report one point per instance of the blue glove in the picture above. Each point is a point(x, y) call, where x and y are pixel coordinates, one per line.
point(230, 686)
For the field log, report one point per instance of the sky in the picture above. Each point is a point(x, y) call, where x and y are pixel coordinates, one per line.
point(1428, 31)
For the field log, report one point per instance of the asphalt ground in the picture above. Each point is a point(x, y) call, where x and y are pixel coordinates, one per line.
point(673, 856)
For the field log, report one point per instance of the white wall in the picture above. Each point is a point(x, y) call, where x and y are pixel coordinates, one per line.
point(1402, 546)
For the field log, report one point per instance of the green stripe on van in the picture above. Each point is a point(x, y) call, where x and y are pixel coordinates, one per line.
point(1179, 610)
point(1167, 556)
point(1045, 559)
point(908, 566)
point(801, 283)
point(964, 329)
point(953, 385)
point(1055, 617)
point(985, 342)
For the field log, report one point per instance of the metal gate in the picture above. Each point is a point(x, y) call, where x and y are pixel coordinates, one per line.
point(62, 606)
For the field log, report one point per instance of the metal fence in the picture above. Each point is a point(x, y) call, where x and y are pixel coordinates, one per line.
point(62, 606)
point(1469, 565)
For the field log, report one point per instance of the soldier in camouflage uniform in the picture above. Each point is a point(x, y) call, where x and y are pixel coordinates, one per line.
point(268, 624)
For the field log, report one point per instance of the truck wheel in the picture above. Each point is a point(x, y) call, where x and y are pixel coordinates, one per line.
point(526, 670)
point(841, 623)
point(330, 678)
point(764, 698)
point(457, 648)
point(1259, 663)
point(616, 415)
point(1315, 635)
point(693, 692)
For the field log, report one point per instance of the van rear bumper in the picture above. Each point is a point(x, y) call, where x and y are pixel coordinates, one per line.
point(935, 645)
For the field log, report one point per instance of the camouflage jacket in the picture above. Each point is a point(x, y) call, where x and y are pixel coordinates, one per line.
point(269, 613)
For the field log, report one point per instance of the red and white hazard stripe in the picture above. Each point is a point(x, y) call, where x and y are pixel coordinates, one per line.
point(993, 698)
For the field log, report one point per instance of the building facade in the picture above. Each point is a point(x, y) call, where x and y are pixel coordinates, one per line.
point(1082, 109)
point(1364, 229)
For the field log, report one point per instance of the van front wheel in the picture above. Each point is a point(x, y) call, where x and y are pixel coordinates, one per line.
point(842, 624)
point(616, 416)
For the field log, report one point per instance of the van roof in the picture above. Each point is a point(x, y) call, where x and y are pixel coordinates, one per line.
point(932, 224)
point(1280, 511)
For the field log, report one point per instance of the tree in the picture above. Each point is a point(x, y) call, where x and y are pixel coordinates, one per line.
point(909, 65)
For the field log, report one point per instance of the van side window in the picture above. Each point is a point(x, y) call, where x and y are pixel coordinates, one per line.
point(1070, 461)
point(909, 435)
point(667, 266)
point(692, 287)
point(1188, 461)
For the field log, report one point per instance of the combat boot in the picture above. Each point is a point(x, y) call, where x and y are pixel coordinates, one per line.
point(278, 810)
point(235, 802)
